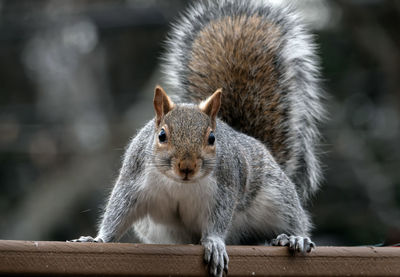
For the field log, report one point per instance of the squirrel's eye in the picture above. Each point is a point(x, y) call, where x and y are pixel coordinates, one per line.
point(211, 138)
point(162, 136)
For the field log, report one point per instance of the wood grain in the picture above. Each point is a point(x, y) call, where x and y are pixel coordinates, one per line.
point(122, 259)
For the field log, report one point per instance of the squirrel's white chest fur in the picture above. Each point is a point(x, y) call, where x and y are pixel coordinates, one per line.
point(174, 211)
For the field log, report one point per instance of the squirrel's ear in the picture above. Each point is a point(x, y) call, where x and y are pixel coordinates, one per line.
point(162, 103)
point(211, 105)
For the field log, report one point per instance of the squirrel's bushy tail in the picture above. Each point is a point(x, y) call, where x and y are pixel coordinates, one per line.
point(264, 61)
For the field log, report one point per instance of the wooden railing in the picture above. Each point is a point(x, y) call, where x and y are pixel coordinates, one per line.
point(118, 259)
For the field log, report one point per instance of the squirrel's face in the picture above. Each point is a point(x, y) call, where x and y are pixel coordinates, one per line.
point(184, 139)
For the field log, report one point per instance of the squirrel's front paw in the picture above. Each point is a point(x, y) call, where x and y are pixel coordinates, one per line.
point(87, 239)
point(295, 243)
point(215, 255)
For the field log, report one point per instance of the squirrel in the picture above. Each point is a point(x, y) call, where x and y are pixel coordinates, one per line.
point(233, 159)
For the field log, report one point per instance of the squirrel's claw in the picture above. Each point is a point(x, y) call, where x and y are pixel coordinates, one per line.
point(87, 239)
point(215, 256)
point(295, 243)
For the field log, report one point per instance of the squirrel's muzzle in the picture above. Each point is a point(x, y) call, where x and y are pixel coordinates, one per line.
point(186, 169)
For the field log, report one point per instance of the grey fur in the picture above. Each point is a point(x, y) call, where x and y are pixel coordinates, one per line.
point(240, 194)
point(246, 199)
point(298, 68)
point(243, 167)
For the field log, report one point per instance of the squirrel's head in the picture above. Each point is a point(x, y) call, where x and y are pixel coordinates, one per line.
point(184, 136)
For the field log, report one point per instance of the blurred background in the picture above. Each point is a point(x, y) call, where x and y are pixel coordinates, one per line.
point(77, 79)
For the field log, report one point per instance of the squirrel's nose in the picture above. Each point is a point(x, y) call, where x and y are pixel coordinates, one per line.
point(186, 171)
point(186, 168)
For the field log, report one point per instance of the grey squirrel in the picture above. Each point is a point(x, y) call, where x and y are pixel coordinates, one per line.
point(236, 165)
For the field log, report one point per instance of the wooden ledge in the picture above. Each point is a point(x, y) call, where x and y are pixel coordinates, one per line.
point(118, 259)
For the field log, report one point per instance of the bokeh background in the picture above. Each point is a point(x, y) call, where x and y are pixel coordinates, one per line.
point(76, 82)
